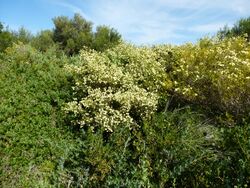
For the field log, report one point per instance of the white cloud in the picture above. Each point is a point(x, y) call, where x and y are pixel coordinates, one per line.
point(207, 28)
point(157, 21)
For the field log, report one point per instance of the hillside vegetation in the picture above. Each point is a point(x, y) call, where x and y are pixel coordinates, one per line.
point(113, 114)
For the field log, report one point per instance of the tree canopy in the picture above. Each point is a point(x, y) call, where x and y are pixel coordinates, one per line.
point(240, 28)
point(73, 34)
point(6, 38)
point(69, 35)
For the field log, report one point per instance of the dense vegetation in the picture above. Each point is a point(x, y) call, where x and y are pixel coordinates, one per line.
point(69, 36)
point(90, 110)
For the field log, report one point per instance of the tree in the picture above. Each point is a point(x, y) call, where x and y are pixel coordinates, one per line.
point(23, 35)
point(72, 34)
point(240, 28)
point(105, 37)
point(43, 40)
point(6, 38)
point(1, 27)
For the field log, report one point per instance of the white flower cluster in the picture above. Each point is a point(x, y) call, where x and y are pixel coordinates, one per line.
point(143, 65)
point(108, 89)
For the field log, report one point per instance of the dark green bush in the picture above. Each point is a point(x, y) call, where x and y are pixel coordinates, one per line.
point(33, 138)
point(6, 38)
point(236, 146)
point(173, 149)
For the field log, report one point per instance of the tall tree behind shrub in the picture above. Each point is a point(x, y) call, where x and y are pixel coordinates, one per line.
point(73, 34)
point(6, 38)
point(23, 35)
point(105, 37)
point(43, 40)
point(240, 28)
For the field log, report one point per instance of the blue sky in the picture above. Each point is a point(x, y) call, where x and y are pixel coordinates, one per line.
point(139, 21)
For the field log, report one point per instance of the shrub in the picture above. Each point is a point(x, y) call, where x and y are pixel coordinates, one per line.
point(115, 88)
point(33, 138)
point(237, 155)
point(173, 149)
point(214, 74)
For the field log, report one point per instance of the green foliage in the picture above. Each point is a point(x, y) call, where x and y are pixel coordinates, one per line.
point(241, 28)
point(125, 102)
point(1, 27)
point(73, 34)
point(6, 38)
point(33, 138)
point(69, 35)
point(237, 156)
point(187, 151)
point(105, 37)
point(43, 41)
point(180, 147)
point(173, 149)
point(23, 35)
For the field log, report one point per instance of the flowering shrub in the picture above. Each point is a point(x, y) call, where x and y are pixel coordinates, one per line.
point(116, 87)
point(215, 74)
point(143, 65)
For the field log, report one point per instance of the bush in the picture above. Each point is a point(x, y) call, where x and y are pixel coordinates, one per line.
point(237, 155)
point(33, 137)
point(214, 74)
point(115, 88)
point(173, 149)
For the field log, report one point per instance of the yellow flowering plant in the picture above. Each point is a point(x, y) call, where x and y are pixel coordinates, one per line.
point(215, 74)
